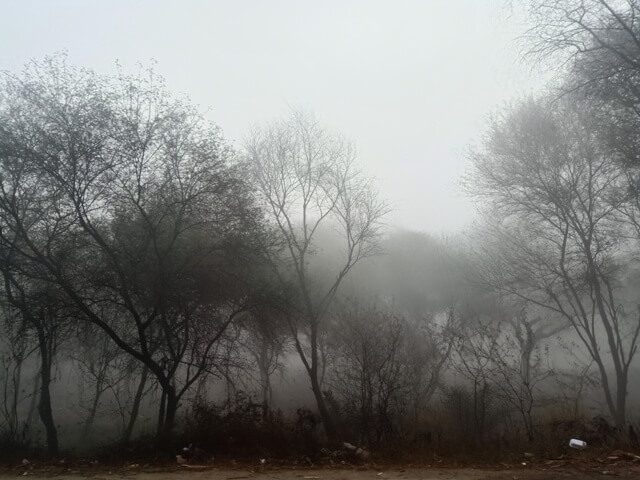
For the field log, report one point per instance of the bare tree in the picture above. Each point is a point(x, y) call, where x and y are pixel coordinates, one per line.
point(560, 242)
point(474, 351)
point(371, 373)
point(308, 180)
point(598, 41)
point(429, 347)
point(520, 368)
point(122, 199)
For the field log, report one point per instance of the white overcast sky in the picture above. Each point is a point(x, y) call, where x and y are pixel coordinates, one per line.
point(410, 82)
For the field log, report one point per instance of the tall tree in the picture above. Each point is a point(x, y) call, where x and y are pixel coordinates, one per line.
point(126, 202)
point(561, 241)
point(308, 181)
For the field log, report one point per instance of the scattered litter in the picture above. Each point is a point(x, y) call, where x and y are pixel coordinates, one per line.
point(528, 455)
point(622, 455)
point(195, 467)
point(357, 451)
point(263, 461)
point(579, 444)
point(25, 462)
point(181, 460)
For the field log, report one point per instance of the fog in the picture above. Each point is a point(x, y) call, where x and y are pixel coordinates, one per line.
point(411, 83)
point(269, 228)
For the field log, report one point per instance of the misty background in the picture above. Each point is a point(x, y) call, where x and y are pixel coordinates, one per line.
point(410, 82)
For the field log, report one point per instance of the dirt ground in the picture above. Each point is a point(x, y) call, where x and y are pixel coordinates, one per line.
point(194, 472)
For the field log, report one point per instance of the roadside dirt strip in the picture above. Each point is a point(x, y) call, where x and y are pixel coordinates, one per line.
point(397, 473)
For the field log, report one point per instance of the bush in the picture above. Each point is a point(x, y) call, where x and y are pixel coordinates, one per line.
point(240, 427)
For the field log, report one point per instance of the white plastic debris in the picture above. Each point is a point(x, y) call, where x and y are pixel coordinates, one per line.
point(575, 443)
point(348, 446)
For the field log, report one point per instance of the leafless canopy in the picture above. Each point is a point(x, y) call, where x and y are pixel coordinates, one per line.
point(309, 183)
point(562, 240)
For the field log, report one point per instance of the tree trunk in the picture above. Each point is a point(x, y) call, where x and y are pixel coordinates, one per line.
point(312, 371)
point(621, 401)
point(267, 395)
point(136, 405)
point(170, 413)
point(327, 419)
point(265, 380)
point(12, 410)
point(28, 424)
point(44, 408)
point(88, 424)
point(161, 413)
point(167, 411)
